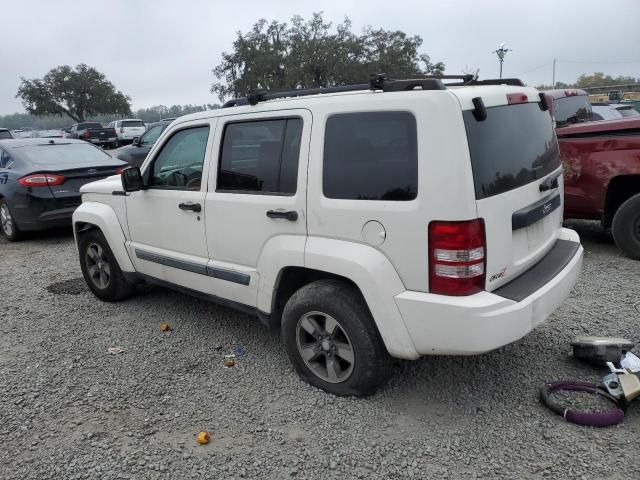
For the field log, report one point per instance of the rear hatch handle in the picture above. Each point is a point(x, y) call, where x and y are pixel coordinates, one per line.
point(549, 183)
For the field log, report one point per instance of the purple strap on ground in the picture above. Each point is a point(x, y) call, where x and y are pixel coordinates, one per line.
point(592, 419)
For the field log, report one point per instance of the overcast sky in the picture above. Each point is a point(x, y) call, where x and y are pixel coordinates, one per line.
point(163, 51)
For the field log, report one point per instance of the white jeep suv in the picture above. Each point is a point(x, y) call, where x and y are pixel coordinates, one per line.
point(397, 219)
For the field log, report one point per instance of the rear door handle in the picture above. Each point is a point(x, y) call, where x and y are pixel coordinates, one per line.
point(291, 215)
point(194, 207)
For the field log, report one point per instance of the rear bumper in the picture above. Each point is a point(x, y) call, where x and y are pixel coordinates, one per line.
point(438, 324)
point(101, 141)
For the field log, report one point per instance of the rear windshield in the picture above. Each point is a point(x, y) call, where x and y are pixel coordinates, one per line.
point(133, 123)
point(570, 110)
point(5, 134)
point(515, 145)
point(95, 125)
point(628, 112)
point(64, 153)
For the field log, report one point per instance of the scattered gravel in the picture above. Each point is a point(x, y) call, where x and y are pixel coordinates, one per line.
point(70, 410)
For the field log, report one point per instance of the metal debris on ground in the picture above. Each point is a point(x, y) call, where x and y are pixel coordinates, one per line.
point(115, 350)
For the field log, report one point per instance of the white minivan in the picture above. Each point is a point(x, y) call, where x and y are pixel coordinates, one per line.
point(399, 218)
point(127, 129)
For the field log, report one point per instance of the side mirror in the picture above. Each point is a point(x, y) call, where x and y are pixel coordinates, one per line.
point(135, 142)
point(131, 179)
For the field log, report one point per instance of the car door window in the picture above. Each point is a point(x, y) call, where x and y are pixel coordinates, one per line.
point(179, 164)
point(151, 135)
point(260, 156)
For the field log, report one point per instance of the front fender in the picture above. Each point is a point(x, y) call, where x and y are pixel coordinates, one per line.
point(105, 218)
point(376, 278)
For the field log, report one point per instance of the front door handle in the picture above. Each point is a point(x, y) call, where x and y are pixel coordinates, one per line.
point(194, 207)
point(292, 215)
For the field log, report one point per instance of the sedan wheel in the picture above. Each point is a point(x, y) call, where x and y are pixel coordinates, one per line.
point(98, 266)
point(5, 220)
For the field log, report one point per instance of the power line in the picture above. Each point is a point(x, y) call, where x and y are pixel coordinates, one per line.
point(636, 62)
point(534, 69)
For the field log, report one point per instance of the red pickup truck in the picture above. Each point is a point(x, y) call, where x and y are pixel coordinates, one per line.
point(602, 177)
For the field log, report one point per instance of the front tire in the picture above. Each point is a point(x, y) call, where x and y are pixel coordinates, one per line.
point(332, 340)
point(7, 223)
point(626, 227)
point(101, 270)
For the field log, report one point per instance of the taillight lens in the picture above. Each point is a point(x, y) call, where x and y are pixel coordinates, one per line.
point(457, 257)
point(121, 169)
point(41, 180)
point(87, 134)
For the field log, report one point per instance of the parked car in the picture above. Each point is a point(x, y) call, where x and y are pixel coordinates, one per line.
point(47, 134)
point(40, 181)
point(570, 106)
point(5, 134)
point(602, 177)
point(403, 223)
point(135, 153)
point(127, 129)
point(627, 110)
point(613, 111)
point(20, 133)
point(94, 132)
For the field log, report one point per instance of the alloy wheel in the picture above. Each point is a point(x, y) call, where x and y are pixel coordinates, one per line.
point(98, 266)
point(325, 347)
point(5, 220)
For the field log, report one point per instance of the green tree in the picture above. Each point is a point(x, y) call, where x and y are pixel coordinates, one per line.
point(311, 53)
point(77, 93)
point(599, 79)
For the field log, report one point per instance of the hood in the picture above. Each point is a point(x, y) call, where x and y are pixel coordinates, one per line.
point(106, 185)
point(600, 127)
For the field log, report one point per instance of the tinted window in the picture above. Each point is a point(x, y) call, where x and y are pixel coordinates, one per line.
point(133, 123)
point(5, 134)
point(261, 156)
point(515, 145)
point(595, 116)
point(570, 110)
point(371, 156)
point(64, 153)
point(151, 135)
point(179, 163)
point(94, 125)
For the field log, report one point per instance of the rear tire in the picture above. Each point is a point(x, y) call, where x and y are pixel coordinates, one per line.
point(332, 340)
point(7, 223)
point(626, 227)
point(101, 270)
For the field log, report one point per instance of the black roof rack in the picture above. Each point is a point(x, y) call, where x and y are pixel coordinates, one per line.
point(377, 82)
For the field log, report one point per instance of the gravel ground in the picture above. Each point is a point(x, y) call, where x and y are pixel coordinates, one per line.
point(68, 409)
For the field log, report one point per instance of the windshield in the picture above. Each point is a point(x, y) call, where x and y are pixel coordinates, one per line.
point(515, 145)
point(65, 153)
point(628, 112)
point(133, 123)
point(5, 134)
point(570, 110)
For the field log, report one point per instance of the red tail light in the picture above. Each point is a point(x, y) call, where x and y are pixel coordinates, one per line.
point(457, 257)
point(514, 98)
point(570, 93)
point(87, 134)
point(121, 169)
point(41, 180)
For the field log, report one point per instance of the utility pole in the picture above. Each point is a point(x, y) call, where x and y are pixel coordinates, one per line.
point(553, 81)
point(501, 52)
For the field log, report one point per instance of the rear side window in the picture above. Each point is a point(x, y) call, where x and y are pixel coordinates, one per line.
point(133, 123)
point(5, 134)
point(371, 156)
point(261, 156)
point(628, 112)
point(90, 125)
point(513, 146)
